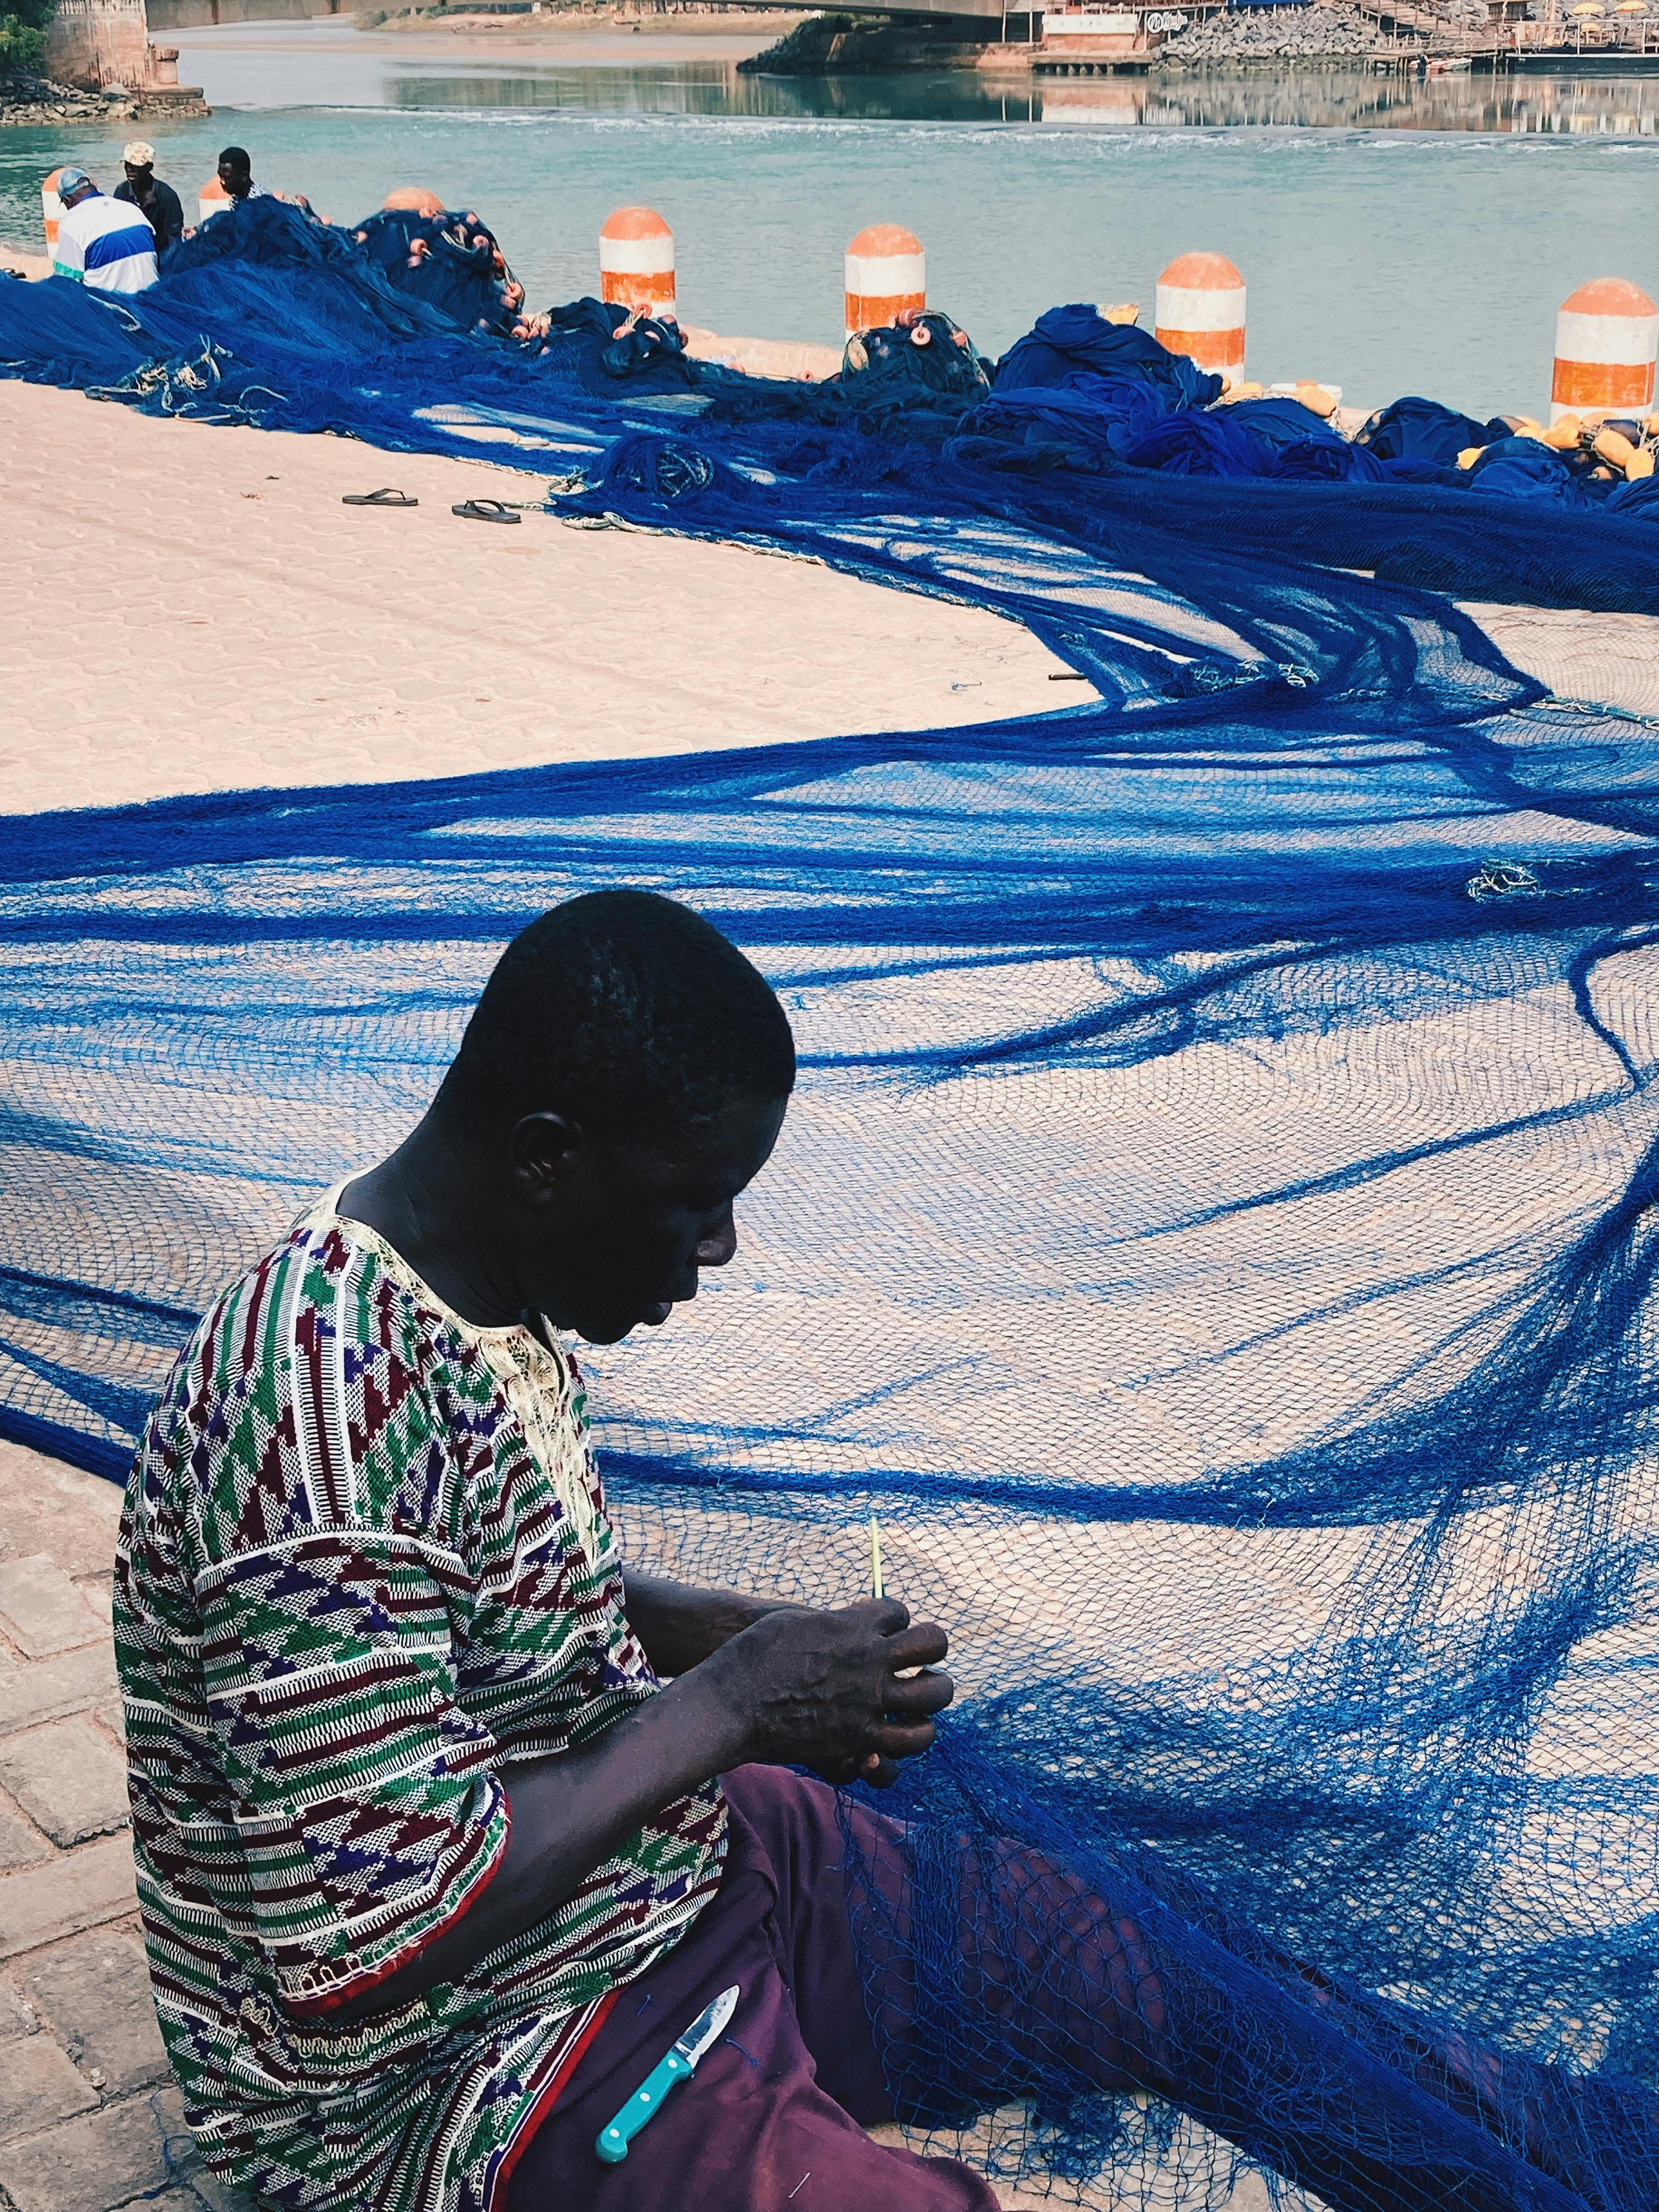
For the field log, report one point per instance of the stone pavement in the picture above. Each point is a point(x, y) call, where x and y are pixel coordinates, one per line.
point(89, 2119)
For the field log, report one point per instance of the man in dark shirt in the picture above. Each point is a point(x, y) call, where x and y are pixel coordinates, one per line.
point(144, 190)
point(236, 174)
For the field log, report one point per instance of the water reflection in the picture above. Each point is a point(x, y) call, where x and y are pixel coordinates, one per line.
point(1551, 104)
point(716, 88)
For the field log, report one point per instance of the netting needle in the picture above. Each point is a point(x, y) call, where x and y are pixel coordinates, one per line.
point(876, 1589)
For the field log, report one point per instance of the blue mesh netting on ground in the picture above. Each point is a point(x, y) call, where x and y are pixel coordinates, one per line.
point(1214, 1230)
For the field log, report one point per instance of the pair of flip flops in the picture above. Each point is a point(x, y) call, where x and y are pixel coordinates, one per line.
point(472, 510)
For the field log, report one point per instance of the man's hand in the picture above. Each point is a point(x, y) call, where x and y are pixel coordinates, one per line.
point(822, 1690)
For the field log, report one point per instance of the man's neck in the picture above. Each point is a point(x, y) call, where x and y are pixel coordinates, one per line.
point(435, 1205)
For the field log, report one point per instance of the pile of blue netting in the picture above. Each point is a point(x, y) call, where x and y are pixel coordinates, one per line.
point(1214, 1233)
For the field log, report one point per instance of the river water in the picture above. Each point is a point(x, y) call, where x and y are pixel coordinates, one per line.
point(1394, 237)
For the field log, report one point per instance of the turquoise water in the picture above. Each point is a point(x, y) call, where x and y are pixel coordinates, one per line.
point(1383, 259)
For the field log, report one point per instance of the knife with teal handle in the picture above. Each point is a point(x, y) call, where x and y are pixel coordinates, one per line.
point(680, 2065)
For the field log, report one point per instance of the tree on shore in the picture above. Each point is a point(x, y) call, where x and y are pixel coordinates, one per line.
point(24, 36)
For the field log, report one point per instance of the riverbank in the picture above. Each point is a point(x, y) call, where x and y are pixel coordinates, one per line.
point(1055, 189)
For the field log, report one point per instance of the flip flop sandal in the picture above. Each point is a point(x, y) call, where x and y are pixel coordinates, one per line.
point(384, 497)
point(487, 510)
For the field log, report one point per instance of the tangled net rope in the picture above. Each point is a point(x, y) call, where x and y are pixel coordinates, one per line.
point(1214, 1233)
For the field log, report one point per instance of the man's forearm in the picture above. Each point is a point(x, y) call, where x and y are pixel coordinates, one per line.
point(679, 1624)
point(849, 1693)
point(570, 1812)
point(569, 1815)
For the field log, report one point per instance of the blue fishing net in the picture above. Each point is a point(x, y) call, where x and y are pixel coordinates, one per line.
point(1213, 1232)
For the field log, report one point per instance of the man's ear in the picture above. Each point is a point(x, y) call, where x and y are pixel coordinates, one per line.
point(542, 1150)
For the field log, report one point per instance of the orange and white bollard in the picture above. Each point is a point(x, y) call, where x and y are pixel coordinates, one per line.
point(1607, 336)
point(212, 199)
point(413, 199)
point(636, 263)
point(886, 279)
point(1200, 313)
point(51, 209)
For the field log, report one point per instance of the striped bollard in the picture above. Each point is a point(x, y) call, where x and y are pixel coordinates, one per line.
point(1200, 313)
point(51, 209)
point(1607, 336)
point(212, 199)
point(636, 263)
point(886, 279)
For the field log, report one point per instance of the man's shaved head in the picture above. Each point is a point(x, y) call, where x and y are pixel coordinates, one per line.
point(621, 1082)
point(626, 1013)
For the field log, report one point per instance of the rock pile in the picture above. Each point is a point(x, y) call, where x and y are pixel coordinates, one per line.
point(38, 99)
point(1274, 34)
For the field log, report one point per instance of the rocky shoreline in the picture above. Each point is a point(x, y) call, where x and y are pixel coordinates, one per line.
point(1246, 37)
point(1323, 36)
point(37, 100)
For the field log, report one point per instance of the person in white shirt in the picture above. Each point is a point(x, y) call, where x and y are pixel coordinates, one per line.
point(103, 244)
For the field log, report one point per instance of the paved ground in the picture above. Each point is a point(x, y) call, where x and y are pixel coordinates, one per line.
point(236, 626)
point(239, 627)
point(88, 2117)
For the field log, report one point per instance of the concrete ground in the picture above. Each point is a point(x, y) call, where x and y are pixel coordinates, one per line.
point(192, 609)
point(89, 2119)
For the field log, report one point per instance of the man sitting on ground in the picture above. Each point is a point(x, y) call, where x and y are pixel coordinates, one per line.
point(448, 1821)
point(142, 189)
point(101, 244)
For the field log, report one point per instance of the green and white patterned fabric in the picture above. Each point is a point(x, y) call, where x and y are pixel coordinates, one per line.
point(365, 1563)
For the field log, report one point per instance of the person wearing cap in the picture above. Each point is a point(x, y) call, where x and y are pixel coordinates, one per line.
point(143, 189)
point(101, 244)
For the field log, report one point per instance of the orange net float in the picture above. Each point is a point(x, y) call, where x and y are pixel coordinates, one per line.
point(212, 199)
point(413, 199)
point(51, 209)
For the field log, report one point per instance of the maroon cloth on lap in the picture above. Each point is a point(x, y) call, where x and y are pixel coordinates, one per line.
point(775, 2114)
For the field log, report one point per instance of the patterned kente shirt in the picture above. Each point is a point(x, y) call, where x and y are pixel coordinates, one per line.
point(365, 1561)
